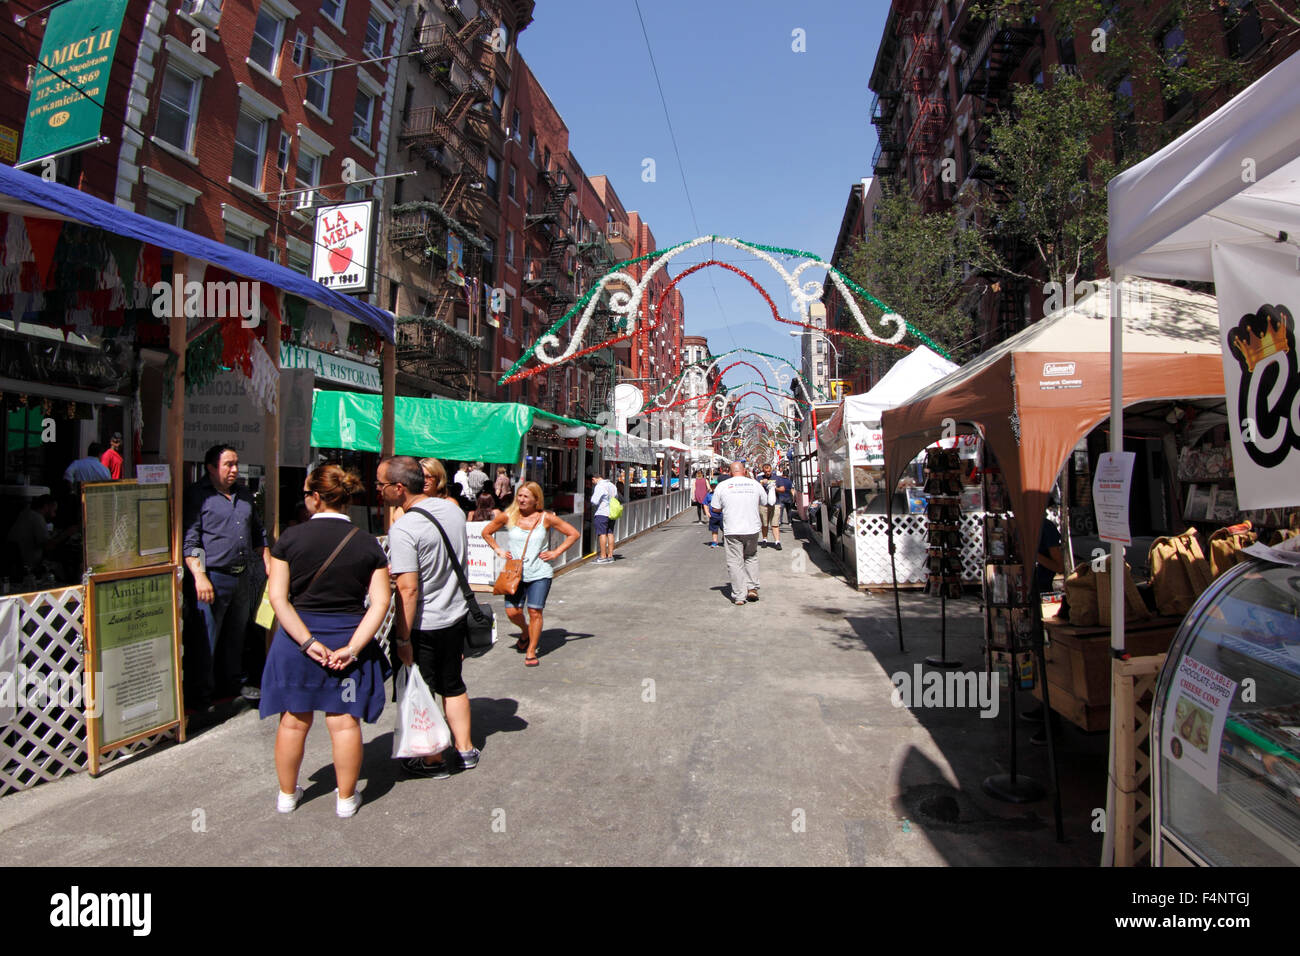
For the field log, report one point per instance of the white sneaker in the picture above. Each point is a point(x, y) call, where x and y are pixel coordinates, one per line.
point(288, 802)
point(348, 807)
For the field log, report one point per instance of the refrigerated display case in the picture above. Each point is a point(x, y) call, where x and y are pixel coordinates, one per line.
point(1226, 726)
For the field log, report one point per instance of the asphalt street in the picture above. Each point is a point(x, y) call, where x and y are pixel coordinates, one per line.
point(663, 726)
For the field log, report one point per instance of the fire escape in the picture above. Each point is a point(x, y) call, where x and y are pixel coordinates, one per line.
point(550, 278)
point(441, 347)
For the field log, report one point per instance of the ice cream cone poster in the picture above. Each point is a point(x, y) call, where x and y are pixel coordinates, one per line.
point(344, 253)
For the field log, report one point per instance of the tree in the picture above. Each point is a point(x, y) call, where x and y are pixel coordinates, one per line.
point(1051, 192)
point(914, 263)
point(1171, 48)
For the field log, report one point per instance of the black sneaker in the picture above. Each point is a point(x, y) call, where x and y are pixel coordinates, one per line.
point(416, 767)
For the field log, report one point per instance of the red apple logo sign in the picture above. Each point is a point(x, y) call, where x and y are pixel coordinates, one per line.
point(343, 244)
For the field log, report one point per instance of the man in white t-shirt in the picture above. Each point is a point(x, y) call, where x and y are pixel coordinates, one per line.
point(602, 525)
point(462, 480)
point(738, 498)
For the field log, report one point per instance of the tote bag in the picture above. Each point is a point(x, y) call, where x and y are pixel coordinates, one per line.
point(421, 730)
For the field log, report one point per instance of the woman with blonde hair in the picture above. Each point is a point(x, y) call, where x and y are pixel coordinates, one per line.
point(530, 525)
point(323, 655)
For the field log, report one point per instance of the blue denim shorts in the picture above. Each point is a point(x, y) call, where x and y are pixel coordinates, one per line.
point(602, 524)
point(532, 593)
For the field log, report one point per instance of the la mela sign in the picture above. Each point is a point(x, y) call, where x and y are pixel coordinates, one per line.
point(343, 256)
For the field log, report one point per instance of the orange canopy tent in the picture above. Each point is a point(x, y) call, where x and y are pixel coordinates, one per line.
point(1034, 396)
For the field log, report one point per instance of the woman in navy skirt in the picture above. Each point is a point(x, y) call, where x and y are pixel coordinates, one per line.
point(323, 655)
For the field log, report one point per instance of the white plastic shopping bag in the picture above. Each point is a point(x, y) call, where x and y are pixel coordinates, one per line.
point(421, 730)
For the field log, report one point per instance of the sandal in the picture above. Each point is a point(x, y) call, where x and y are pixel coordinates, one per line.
point(531, 662)
point(521, 644)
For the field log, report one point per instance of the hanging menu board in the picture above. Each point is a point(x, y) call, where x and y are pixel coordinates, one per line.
point(132, 657)
point(127, 525)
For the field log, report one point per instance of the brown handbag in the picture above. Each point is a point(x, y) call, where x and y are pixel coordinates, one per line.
point(512, 575)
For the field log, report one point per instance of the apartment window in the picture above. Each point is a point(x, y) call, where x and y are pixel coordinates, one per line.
point(510, 248)
point(333, 9)
point(494, 177)
point(1125, 121)
point(515, 132)
point(528, 202)
point(173, 215)
point(282, 153)
point(1065, 49)
point(240, 240)
point(318, 86)
point(546, 159)
point(299, 48)
point(821, 369)
point(532, 147)
point(362, 114)
point(267, 34)
point(510, 182)
point(498, 102)
point(374, 42)
point(1245, 30)
point(354, 193)
point(177, 107)
point(300, 264)
point(250, 149)
point(1173, 47)
point(308, 173)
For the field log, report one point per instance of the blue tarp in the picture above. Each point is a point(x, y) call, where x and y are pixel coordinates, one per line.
point(84, 208)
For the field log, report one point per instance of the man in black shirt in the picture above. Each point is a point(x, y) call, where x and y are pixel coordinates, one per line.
point(223, 537)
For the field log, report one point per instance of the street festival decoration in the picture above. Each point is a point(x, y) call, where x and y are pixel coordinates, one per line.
point(628, 303)
point(1257, 305)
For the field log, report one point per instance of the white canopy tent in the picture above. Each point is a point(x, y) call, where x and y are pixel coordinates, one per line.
point(857, 421)
point(1231, 180)
point(1221, 204)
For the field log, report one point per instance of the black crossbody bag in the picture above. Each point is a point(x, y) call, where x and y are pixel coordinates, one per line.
point(480, 623)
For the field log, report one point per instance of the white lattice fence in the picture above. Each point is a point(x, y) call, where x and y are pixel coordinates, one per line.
point(48, 736)
point(911, 542)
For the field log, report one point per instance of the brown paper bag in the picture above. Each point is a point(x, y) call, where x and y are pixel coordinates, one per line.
point(1135, 609)
point(1179, 572)
point(1081, 596)
point(1226, 545)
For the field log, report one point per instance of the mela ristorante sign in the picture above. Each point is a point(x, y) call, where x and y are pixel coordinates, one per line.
point(344, 253)
point(66, 106)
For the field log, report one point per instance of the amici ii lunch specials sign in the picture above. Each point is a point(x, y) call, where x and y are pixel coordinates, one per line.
point(344, 254)
point(1259, 294)
point(66, 107)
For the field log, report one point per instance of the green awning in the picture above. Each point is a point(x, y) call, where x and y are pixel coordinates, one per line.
point(428, 427)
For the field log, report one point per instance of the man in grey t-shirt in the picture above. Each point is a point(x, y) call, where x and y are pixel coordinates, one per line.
point(429, 625)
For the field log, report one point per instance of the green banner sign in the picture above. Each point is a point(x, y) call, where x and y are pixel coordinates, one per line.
point(66, 107)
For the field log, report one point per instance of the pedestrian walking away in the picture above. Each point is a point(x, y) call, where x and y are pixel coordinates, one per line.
point(738, 499)
point(429, 624)
point(715, 517)
point(771, 521)
point(602, 525)
point(485, 508)
point(701, 492)
point(502, 487)
point(784, 498)
point(223, 537)
point(529, 527)
point(476, 479)
point(323, 655)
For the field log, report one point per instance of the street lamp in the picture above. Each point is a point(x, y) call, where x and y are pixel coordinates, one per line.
point(796, 333)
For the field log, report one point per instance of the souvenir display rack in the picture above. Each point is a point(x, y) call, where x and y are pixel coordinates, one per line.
point(943, 489)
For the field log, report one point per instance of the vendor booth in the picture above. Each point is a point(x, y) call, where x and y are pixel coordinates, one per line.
point(850, 448)
point(1221, 204)
point(107, 282)
point(1031, 399)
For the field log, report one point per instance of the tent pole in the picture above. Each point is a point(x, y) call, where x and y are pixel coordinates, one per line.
point(1116, 550)
point(893, 566)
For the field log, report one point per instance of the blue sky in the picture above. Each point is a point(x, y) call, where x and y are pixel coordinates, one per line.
point(771, 139)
